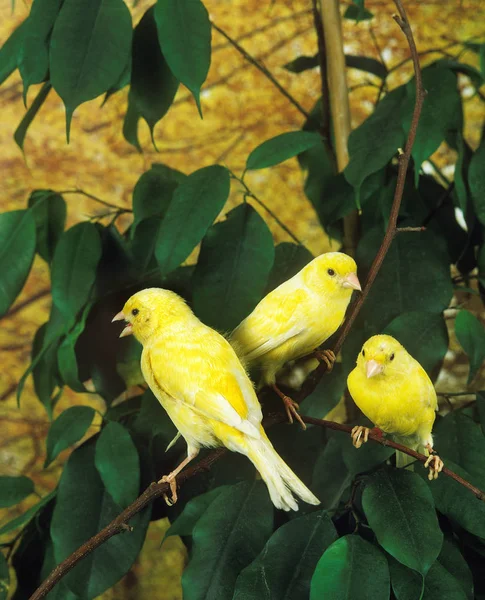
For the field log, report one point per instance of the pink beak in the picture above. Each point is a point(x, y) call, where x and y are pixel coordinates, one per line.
point(373, 368)
point(128, 330)
point(352, 282)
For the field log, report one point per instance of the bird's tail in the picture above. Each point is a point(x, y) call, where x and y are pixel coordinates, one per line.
point(278, 476)
point(403, 460)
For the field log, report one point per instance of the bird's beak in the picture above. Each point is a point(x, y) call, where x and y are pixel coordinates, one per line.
point(128, 330)
point(352, 282)
point(373, 368)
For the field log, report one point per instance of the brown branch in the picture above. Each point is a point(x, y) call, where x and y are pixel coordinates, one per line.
point(21, 305)
point(391, 230)
point(155, 490)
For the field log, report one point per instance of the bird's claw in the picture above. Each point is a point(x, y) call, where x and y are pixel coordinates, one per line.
point(326, 356)
point(434, 463)
point(292, 408)
point(173, 488)
point(359, 432)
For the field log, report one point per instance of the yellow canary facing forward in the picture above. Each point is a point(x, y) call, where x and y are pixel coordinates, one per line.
point(297, 317)
point(394, 392)
point(198, 379)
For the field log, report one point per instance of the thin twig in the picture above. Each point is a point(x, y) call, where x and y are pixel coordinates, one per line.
point(21, 305)
point(404, 229)
point(155, 490)
point(263, 70)
point(96, 199)
point(404, 158)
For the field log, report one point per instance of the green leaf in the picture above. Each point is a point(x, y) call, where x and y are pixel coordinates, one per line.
point(367, 64)
point(453, 561)
point(423, 334)
point(17, 241)
point(228, 536)
point(285, 567)
point(280, 148)
point(9, 52)
point(153, 192)
point(45, 372)
point(23, 519)
point(14, 489)
point(184, 34)
point(471, 335)
point(34, 52)
point(66, 354)
point(74, 267)
point(458, 67)
point(351, 569)
point(377, 140)
point(289, 259)
point(60, 591)
point(89, 48)
point(153, 420)
point(441, 112)
point(480, 400)
point(462, 167)
point(153, 87)
point(235, 259)
point(400, 510)
point(331, 477)
point(49, 211)
point(365, 459)
point(326, 395)
point(439, 583)
point(69, 427)
point(123, 80)
point(405, 287)
point(118, 464)
point(476, 180)
point(302, 63)
point(195, 204)
point(4, 578)
point(21, 131)
point(194, 509)
point(130, 123)
point(357, 13)
point(82, 509)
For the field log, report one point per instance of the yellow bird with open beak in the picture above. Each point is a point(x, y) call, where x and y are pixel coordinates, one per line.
point(198, 379)
point(394, 392)
point(297, 317)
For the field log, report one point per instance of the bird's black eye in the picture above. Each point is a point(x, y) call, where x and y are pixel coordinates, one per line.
point(331, 272)
point(134, 312)
point(392, 356)
point(363, 353)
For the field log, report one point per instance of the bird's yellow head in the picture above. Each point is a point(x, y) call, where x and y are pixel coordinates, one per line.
point(382, 356)
point(150, 310)
point(333, 273)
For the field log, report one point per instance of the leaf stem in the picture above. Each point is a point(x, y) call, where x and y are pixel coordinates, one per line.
point(96, 199)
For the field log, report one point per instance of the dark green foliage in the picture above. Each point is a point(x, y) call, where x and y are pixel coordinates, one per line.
point(280, 148)
point(14, 489)
point(471, 335)
point(69, 427)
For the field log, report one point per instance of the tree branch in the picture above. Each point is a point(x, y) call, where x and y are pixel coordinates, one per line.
point(37, 296)
point(391, 230)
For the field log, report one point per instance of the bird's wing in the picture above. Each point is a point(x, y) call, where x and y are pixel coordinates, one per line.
point(275, 320)
point(212, 387)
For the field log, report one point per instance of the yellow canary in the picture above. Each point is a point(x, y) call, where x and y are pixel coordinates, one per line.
point(297, 317)
point(394, 392)
point(198, 379)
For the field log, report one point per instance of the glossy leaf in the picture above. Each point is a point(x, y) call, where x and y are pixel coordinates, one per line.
point(66, 354)
point(153, 86)
point(21, 131)
point(14, 489)
point(462, 167)
point(480, 400)
point(228, 536)
point(476, 180)
point(34, 51)
point(235, 259)
point(423, 334)
point(288, 260)
point(351, 569)
point(281, 148)
point(365, 459)
point(130, 123)
point(49, 211)
point(302, 63)
point(465, 69)
point(75, 521)
point(331, 477)
point(69, 427)
point(184, 34)
point(405, 287)
point(453, 561)
point(17, 249)
point(45, 372)
point(367, 64)
point(357, 13)
point(4, 578)
point(194, 206)
point(118, 464)
point(9, 52)
point(285, 567)
point(74, 267)
point(24, 518)
point(471, 335)
point(89, 48)
point(60, 591)
point(400, 510)
point(326, 395)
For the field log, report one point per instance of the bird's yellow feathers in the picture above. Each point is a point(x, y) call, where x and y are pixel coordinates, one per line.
point(299, 315)
point(394, 391)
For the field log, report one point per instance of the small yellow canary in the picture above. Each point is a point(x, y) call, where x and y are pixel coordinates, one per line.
point(199, 380)
point(394, 392)
point(296, 318)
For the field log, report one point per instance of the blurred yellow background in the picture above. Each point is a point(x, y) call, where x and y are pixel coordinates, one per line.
point(241, 109)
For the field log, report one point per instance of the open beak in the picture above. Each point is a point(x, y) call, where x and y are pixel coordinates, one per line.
point(352, 282)
point(128, 330)
point(373, 368)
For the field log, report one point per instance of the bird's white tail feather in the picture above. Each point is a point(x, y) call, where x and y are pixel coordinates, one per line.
point(278, 476)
